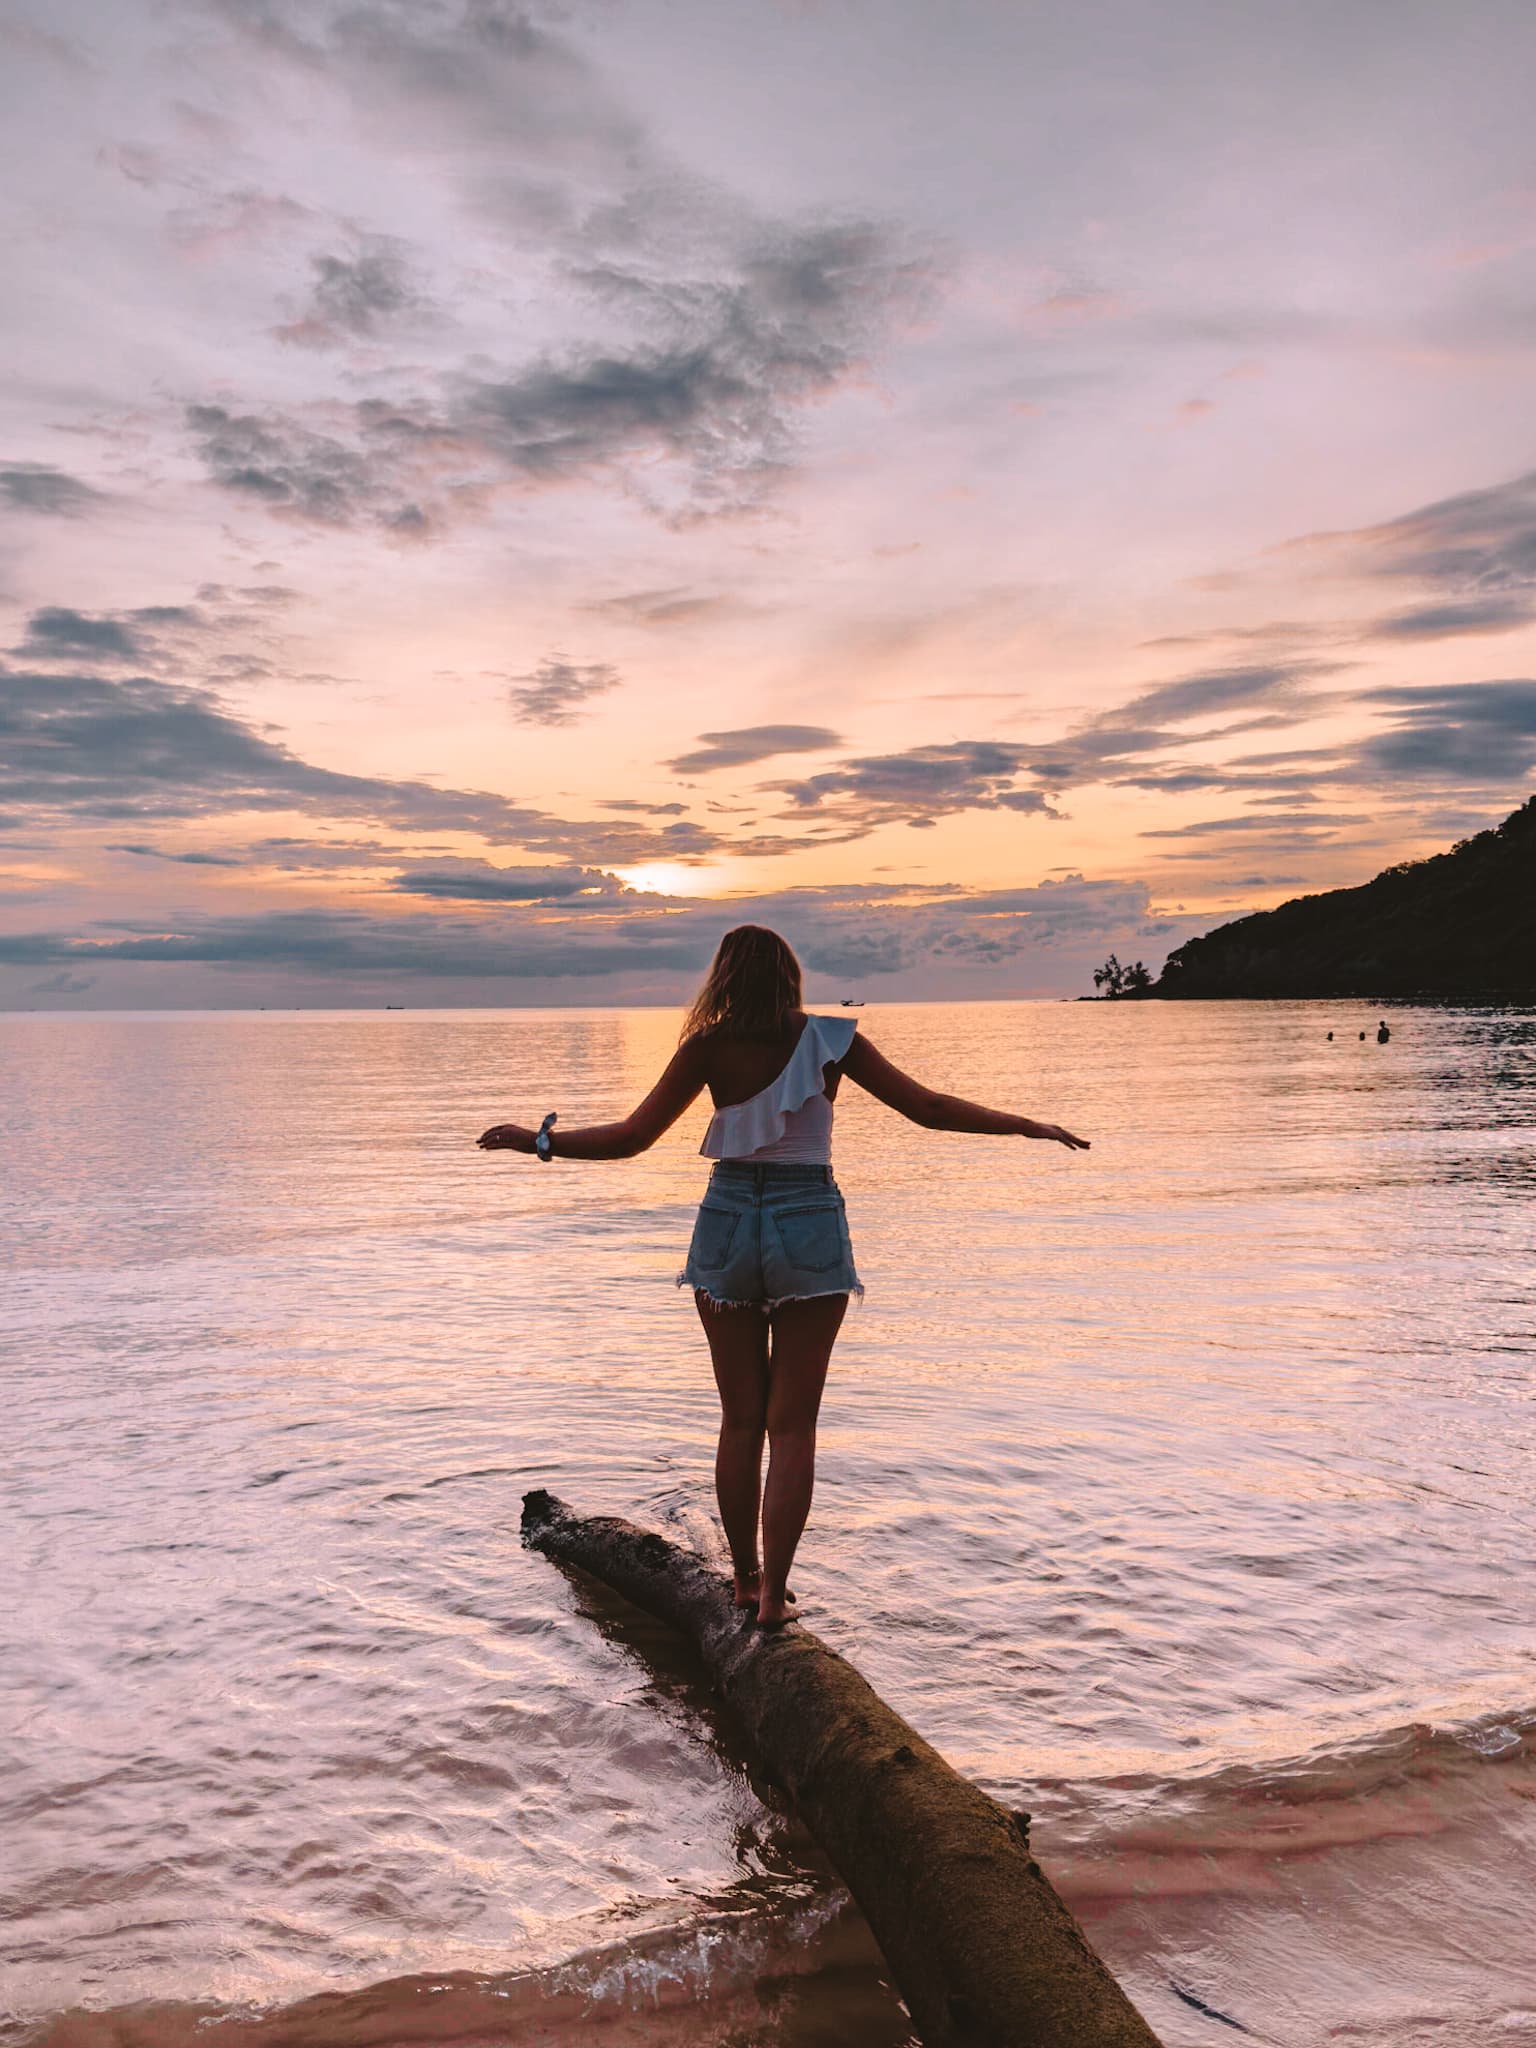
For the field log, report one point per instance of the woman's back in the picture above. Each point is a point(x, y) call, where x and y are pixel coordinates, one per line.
point(787, 1115)
point(736, 1069)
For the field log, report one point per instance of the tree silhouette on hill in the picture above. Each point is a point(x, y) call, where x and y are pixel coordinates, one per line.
point(1114, 980)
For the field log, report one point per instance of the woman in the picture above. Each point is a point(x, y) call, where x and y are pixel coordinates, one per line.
point(770, 1263)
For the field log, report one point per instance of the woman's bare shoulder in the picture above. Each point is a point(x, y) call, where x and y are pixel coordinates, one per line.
point(737, 1068)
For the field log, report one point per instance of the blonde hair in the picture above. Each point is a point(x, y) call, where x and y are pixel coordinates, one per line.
point(753, 980)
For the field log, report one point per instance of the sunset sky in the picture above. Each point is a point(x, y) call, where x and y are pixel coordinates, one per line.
point(490, 496)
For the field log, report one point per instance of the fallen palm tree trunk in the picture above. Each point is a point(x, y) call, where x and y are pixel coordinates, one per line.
point(982, 1949)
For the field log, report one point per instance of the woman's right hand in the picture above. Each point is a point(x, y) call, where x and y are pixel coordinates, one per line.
point(505, 1138)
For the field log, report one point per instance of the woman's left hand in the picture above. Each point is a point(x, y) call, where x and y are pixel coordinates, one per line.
point(505, 1138)
point(1058, 1134)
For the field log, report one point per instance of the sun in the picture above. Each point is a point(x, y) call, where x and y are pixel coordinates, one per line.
point(664, 878)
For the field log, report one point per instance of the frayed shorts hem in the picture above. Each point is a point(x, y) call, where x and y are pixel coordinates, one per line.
point(684, 1279)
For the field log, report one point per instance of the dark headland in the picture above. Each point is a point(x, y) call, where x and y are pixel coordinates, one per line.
point(1457, 927)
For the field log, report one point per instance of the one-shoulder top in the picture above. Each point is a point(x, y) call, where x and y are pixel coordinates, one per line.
point(790, 1119)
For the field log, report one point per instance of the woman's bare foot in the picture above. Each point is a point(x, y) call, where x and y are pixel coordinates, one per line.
point(749, 1587)
point(773, 1613)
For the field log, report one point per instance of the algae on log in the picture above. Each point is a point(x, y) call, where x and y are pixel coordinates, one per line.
point(980, 1946)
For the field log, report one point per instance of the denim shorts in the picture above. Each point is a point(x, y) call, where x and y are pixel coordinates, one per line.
point(770, 1233)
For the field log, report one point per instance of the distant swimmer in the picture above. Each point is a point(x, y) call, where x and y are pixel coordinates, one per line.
point(1382, 1033)
point(1330, 1038)
point(1362, 1038)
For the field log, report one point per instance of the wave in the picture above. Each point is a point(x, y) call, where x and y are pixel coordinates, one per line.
point(1367, 1891)
point(1227, 1827)
point(680, 1986)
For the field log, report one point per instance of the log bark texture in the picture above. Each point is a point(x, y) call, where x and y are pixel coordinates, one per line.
point(979, 1944)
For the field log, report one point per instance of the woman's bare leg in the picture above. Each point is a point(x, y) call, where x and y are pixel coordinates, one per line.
point(738, 1350)
point(803, 1335)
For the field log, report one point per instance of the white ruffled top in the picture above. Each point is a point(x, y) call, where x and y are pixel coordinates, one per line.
point(768, 1125)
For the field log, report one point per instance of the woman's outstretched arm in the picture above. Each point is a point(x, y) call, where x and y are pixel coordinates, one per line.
point(678, 1086)
point(936, 1112)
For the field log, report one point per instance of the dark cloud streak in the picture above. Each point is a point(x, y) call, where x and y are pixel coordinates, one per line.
point(1492, 614)
point(480, 882)
point(921, 784)
point(1210, 692)
point(1482, 541)
point(354, 296)
point(558, 690)
point(745, 744)
point(37, 487)
point(193, 859)
point(58, 632)
point(1456, 733)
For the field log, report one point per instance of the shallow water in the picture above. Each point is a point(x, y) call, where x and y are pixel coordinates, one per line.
point(1179, 1491)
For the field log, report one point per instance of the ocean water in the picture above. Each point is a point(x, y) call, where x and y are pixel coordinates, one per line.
point(1180, 1491)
